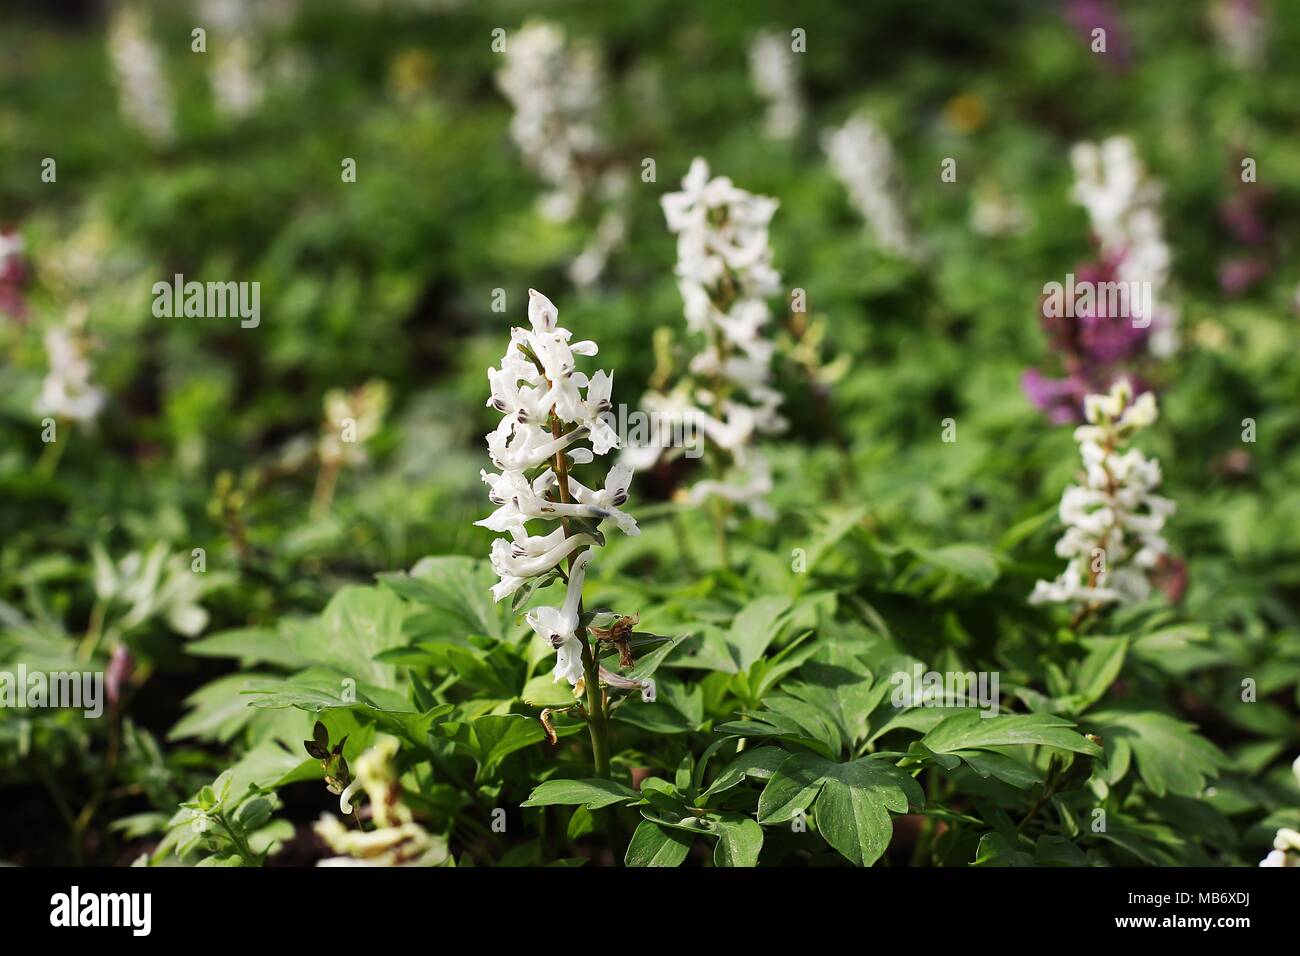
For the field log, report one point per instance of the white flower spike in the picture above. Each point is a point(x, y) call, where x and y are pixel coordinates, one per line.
point(67, 392)
point(1122, 202)
point(144, 94)
point(774, 71)
point(547, 407)
point(1113, 519)
point(862, 158)
point(725, 275)
point(554, 87)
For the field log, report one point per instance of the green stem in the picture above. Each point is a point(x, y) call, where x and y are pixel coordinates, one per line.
point(94, 630)
point(596, 724)
point(53, 451)
point(1049, 788)
point(683, 544)
point(326, 479)
point(241, 845)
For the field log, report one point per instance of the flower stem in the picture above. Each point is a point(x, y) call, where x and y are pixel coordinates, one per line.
point(323, 496)
point(53, 451)
point(683, 543)
point(596, 724)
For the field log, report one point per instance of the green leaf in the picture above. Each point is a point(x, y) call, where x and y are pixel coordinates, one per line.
point(990, 763)
point(839, 685)
point(219, 710)
point(970, 562)
point(454, 594)
point(655, 845)
point(646, 664)
point(251, 645)
point(254, 813)
point(492, 672)
point(592, 794)
point(356, 625)
point(754, 627)
point(498, 736)
point(757, 762)
point(1171, 756)
point(996, 850)
point(970, 731)
point(1099, 669)
point(544, 691)
point(1057, 851)
point(739, 841)
point(318, 692)
point(852, 801)
point(852, 809)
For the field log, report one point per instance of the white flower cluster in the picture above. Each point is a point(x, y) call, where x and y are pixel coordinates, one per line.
point(1112, 184)
point(1113, 520)
point(554, 87)
point(547, 407)
point(351, 419)
point(775, 75)
point(997, 213)
point(66, 392)
point(724, 271)
point(862, 158)
point(1286, 844)
point(143, 94)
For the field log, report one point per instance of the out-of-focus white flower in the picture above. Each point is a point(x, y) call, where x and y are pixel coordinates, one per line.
point(1113, 520)
point(236, 87)
point(1241, 27)
point(352, 418)
point(995, 213)
point(144, 96)
point(554, 87)
point(11, 244)
point(1286, 849)
point(748, 483)
point(156, 584)
point(66, 392)
point(774, 72)
point(1286, 844)
point(724, 271)
point(1121, 199)
point(396, 840)
point(233, 27)
point(547, 407)
point(862, 158)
